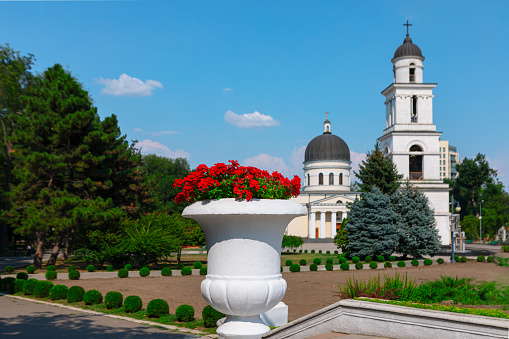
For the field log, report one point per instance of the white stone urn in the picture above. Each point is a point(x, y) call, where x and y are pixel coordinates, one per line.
point(244, 250)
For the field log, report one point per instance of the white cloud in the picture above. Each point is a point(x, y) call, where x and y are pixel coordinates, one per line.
point(148, 146)
point(250, 120)
point(356, 159)
point(155, 134)
point(266, 162)
point(501, 164)
point(228, 89)
point(126, 85)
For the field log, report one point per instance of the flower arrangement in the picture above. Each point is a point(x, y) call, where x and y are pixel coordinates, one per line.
point(235, 181)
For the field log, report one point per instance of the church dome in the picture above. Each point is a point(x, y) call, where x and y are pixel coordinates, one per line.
point(327, 147)
point(408, 49)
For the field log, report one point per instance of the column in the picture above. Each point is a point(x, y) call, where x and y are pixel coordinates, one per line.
point(312, 224)
point(321, 232)
point(333, 224)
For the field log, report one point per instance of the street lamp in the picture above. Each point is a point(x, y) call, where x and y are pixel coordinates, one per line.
point(480, 222)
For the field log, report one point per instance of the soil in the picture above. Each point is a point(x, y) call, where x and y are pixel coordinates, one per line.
point(307, 291)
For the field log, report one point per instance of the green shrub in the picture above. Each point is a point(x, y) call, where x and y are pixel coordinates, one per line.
point(42, 288)
point(75, 294)
point(328, 261)
point(388, 264)
point(92, 297)
point(463, 259)
point(294, 268)
point(29, 286)
point(303, 262)
point(355, 260)
point(51, 275)
point(180, 266)
point(8, 284)
point(359, 266)
point(211, 316)
point(51, 268)
point(18, 285)
point(128, 267)
point(313, 267)
point(380, 258)
point(113, 299)
point(132, 304)
point(489, 259)
point(415, 262)
point(166, 272)
point(320, 251)
point(456, 258)
point(367, 259)
point(373, 265)
point(401, 263)
point(157, 308)
point(31, 269)
point(185, 313)
point(300, 251)
point(440, 261)
point(312, 251)
point(144, 272)
point(428, 262)
point(9, 269)
point(329, 267)
point(305, 251)
point(186, 271)
point(336, 252)
point(392, 258)
point(328, 252)
point(344, 266)
point(505, 248)
point(74, 275)
point(317, 261)
point(481, 258)
point(109, 268)
point(123, 273)
point(342, 260)
point(71, 268)
point(203, 270)
point(197, 265)
point(22, 275)
point(58, 292)
point(91, 268)
point(288, 263)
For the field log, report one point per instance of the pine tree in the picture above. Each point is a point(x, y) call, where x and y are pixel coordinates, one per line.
point(378, 171)
point(372, 226)
point(416, 226)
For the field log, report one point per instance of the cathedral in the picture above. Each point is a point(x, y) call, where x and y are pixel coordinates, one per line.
point(410, 139)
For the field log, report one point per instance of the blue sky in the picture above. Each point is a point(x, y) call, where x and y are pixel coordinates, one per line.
point(180, 75)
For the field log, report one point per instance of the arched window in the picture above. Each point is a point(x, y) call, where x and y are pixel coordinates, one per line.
point(415, 164)
point(413, 108)
point(331, 178)
point(412, 73)
point(341, 178)
point(320, 179)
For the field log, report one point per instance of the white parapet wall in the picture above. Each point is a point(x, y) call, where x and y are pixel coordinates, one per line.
point(391, 321)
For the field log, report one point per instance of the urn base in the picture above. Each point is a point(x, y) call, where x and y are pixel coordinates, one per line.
point(242, 328)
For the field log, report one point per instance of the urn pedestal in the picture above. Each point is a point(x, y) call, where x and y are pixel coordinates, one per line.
point(244, 250)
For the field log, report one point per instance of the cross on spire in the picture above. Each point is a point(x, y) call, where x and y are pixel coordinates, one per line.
point(327, 115)
point(407, 25)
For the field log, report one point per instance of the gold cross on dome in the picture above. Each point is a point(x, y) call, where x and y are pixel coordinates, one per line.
point(327, 115)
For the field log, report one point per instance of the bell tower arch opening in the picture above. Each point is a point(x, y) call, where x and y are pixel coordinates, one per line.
point(415, 163)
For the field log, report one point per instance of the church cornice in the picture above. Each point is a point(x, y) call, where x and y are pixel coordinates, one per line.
point(409, 85)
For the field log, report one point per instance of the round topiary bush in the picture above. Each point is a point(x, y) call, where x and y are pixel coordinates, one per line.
point(440, 261)
point(51, 275)
point(359, 266)
point(355, 260)
point(367, 259)
point(113, 299)
point(42, 288)
point(157, 308)
point(18, 285)
point(392, 258)
point(317, 261)
point(388, 264)
point(211, 316)
point(294, 268)
point(415, 262)
point(186, 271)
point(312, 251)
point(329, 267)
point(481, 258)
point(197, 265)
point(58, 292)
point(109, 268)
point(51, 268)
point(300, 251)
point(71, 268)
point(29, 286)
point(144, 272)
point(132, 304)
point(463, 259)
point(294, 251)
point(456, 258)
point(373, 265)
point(180, 266)
point(92, 297)
point(489, 259)
point(313, 267)
point(22, 275)
point(303, 262)
point(123, 273)
point(288, 263)
point(342, 260)
point(428, 262)
point(8, 284)
point(91, 268)
point(128, 267)
point(344, 266)
point(75, 294)
point(401, 263)
point(203, 270)
point(328, 252)
point(74, 275)
point(380, 258)
point(336, 252)
point(9, 269)
point(166, 272)
point(185, 313)
point(328, 261)
point(320, 251)
point(31, 269)
point(305, 251)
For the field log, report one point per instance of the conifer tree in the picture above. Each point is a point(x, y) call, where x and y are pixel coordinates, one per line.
point(416, 226)
point(378, 171)
point(372, 226)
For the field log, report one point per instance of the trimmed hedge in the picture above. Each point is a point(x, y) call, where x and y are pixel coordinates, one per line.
point(359, 266)
point(463, 259)
point(166, 272)
point(211, 316)
point(312, 251)
point(328, 252)
point(489, 259)
point(415, 262)
point(22, 275)
point(42, 288)
point(51, 268)
point(328, 261)
point(8, 284)
point(180, 266)
point(132, 304)
point(197, 265)
point(92, 297)
point(355, 260)
point(30, 269)
point(58, 292)
point(313, 267)
point(109, 268)
point(71, 268)
point(456, 258)
point(388, 264)
point(380, 258)
point(342, 260)
point(123, 273)
point(128, 267)
point(29, 286)
point(329, 267)
point(344, 266)
point(9, 269)
point(317, 261)
point(303, 262)
point(18, 285)
point(51, 275)
point(392, 258)
point(288, 262)
point(320, 251)
point(428, 262)
point(401, 263)
point(481, 258)
point(367, 259)
point(185, 313)
point(373, 265)
point(91, 268)
point(144, 272)
point(294, 268)
point(75, 294)
point(113, 299)
point(157, 308)
point(203, 270)
point(186, 271)
point(74, 275)
point(440, 261)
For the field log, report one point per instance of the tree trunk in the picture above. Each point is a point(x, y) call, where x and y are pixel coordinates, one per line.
point(179, 254)
point(68, 243)
point(41, 237)
point(7, 186)
point(56, 249)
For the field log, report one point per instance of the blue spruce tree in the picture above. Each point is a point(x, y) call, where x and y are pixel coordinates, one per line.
point(372, 226)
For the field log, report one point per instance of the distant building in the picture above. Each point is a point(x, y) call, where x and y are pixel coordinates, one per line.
point(449, 157)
